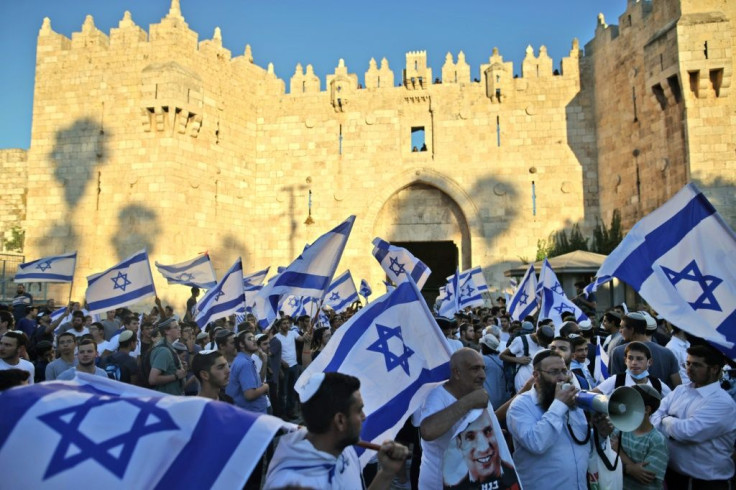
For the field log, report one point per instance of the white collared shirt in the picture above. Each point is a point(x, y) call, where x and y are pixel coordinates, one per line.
point(700, 424)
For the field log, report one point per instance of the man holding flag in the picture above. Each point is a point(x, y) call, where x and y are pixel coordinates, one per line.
point(323, 456)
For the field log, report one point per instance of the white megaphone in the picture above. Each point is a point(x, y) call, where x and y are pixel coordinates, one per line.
point(625, 407)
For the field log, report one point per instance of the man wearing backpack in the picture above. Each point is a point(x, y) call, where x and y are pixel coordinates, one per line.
point(523, 348)
point(166, 374)
point(638, 359)
point(120, 365)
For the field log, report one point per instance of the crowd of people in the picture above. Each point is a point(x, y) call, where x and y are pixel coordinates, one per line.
point(526, 373)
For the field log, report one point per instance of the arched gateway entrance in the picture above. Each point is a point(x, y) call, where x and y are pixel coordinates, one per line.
point(429, 223)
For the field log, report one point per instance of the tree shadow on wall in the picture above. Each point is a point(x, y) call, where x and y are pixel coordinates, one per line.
point(138, 228)
point(78, 149)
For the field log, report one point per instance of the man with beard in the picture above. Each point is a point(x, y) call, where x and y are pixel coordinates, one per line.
point(322, 456)
point(11, 344)
point(550, 434)
point(481, 453)
point(20, 301)
point(86, 355)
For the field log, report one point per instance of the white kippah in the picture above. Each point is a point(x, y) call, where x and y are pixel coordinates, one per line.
point(307, 391)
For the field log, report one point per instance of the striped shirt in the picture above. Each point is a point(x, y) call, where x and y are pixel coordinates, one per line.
point(650, 447)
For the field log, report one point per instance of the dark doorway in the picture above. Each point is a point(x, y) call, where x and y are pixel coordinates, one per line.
point(440, 257)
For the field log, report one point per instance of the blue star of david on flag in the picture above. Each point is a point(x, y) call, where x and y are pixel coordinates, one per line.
point(708, 283)
point(557, 288)
point(467, 290)
point(381, 346)
point(334, 296)
point(44, 266)
point(218, 295)
point(76, 447)
point(120, 281)
point(294, 302)
point(523, 298)
point(562, 307)
point(396, 266)
point(185, 277)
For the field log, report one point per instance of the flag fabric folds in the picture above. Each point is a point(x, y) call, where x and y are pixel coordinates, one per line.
point(399, 263)
point(524, 302)
point(121, 436)
point(469, 294)
point(309, 274)
point(365, 289)
point(196, 272)
point(255, 278)
point(680, 259)
point(224, 299)
point(342, 293)
point(56, 268)
point(123, 284)
point(450, 303)
point(554, 301)
point(479, 279)
point(398, 352)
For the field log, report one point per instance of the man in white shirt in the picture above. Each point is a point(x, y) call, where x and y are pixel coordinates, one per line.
point(288, 339)
point(10, 345)
point(698, 420)
point(522, 349)
point(679, 345)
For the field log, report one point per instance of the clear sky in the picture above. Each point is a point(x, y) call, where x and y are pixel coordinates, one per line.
point(320, 32)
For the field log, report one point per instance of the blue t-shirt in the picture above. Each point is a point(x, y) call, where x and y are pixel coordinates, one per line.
point(243, 376)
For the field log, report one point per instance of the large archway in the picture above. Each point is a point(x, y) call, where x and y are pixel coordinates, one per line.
point(430, 224)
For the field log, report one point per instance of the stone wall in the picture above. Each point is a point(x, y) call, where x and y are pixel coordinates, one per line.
point(156, 139)
point(13, 164)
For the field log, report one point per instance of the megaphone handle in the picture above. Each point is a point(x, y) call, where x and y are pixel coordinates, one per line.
point(602, 453)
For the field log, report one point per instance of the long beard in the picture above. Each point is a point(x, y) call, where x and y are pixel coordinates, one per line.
point(547, 395)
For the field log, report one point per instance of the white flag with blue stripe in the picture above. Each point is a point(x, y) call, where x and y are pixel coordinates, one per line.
point(450, 303)
point(342, 293)
point(196, 272)
point(600, 368)
point(479, 279)
point(470, 294)
point(524, 302)
point(680, 259)
point(57, 268)
point(123, 284)
point(255, 278)
point(365, 289)
point(399, 263)
point(554, 301)
point(295, 306)
point(398, 352)
point(103, 433)
point(224, 299)
point(309, 275)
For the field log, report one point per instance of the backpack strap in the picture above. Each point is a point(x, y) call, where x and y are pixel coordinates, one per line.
point(525, 341)
point(620, 380)
point(656, 384)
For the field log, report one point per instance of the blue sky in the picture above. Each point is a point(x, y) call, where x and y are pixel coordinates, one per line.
point(319, 32)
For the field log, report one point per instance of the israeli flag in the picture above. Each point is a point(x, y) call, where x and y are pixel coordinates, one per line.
point(309, 275)
point(365, 289)
point(322, 319)
point(250, 293)
point(196, 272)
point(256, 278)
point(120, 436)
point(468, 292)
point(295, 306)
point(600, 368)
point(479, 279)
point(680, 259)
point(554, 302)
point(57, 268)
point(451, 302)
point(398, 352)
point(342, 293)
point(524, 301)
point(224, 299)
point(123, 284)
point(399, 263)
